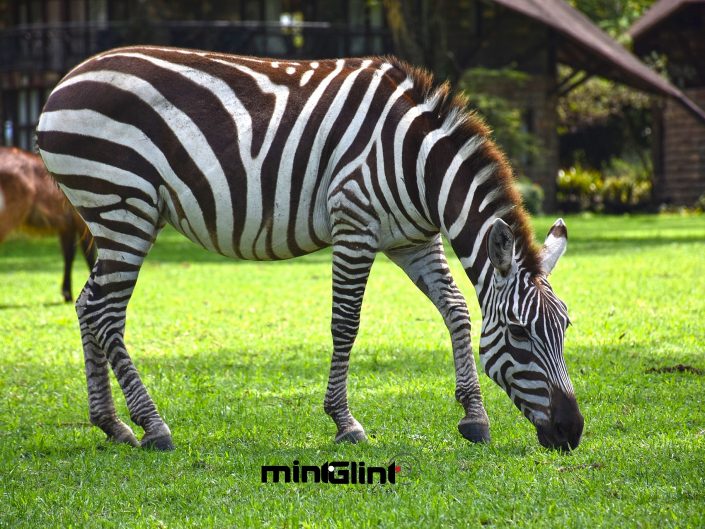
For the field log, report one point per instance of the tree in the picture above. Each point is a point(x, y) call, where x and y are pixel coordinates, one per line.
point(419, 32)
point(601, 119)
point(613, 16)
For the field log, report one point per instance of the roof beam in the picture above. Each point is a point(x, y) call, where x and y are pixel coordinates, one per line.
point(568, 86)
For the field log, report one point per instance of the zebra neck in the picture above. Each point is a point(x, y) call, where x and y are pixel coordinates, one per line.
point(465, 196)
point(468, 186)
point(471, 248)
point(473, 256)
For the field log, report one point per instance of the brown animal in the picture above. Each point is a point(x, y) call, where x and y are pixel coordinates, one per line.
point(30, 200)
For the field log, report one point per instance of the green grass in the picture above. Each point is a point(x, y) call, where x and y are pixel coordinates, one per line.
point(236, 356)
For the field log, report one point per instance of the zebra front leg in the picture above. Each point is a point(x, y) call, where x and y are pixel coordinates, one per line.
point(101, 313)
point(351, 267)
point(427, 267)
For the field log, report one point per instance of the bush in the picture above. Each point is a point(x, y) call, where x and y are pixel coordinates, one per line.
point(622, 194)
point(579, 189)
point(627, 186)
point(621, 187)
point(532, 196)
point(700, 204)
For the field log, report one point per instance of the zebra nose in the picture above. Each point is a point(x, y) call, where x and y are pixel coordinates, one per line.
point(565, 428)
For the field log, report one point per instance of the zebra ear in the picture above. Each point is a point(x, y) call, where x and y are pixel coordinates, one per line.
point(500, 246)
point(554, 247)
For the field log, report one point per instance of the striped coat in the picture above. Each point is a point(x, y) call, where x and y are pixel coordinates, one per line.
point(263, 159)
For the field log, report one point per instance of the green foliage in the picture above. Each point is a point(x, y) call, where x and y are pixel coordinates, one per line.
point(600, 119)
point(700, 204)
point(621, 187)
point(596, 101)
point(627, 186)
point(532, 195)
point(622, 194)
point(578, 189)
point(504, 118)
point(613, 16)
point(236, 355)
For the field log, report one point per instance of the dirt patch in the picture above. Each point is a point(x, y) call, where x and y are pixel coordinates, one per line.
point(678, 368)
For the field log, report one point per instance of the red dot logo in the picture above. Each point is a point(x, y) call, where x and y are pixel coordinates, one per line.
point(397, 469)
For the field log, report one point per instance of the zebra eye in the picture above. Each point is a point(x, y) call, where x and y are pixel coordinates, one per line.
point(518, 331)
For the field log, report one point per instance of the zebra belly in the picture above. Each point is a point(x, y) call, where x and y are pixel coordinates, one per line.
point(258, 241)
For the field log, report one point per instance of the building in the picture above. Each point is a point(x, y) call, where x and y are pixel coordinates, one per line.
point(675, 29)
point(534, 36)
point(40, 40)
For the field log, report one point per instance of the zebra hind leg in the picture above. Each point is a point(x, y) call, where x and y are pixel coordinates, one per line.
point(100, 399)
point(427, 267)
point(101, 314)
point(351, 267)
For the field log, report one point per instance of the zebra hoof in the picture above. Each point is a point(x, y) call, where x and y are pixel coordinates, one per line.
point(118, 432)
point(477, 432)
point(351, 436)
point(162, 443)
point(127, 438)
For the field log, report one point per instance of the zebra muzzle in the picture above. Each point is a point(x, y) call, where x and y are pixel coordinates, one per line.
point(565, 427)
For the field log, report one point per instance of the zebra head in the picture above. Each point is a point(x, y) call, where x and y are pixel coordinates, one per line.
point(521, 346)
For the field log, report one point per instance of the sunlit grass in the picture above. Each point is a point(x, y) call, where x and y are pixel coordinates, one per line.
point(236, 356)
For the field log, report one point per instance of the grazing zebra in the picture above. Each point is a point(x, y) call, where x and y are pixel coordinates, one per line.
point(268, 159)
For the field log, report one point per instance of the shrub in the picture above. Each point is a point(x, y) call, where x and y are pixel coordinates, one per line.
point(532, 196)
point(619, 188)
point(627, 186)
point(579, 189)
point(700, 204)
point(621, 194)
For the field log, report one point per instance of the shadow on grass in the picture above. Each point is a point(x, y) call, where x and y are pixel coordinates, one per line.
point(44, 254)
point(615, 245)
point(10, 306)
point(30, 254)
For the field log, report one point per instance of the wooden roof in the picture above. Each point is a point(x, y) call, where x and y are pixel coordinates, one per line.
point(583, 45)
point(657, 13)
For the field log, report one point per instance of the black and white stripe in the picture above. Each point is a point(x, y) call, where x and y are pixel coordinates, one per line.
point(263, 159)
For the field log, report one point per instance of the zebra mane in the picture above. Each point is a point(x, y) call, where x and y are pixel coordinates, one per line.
point(462, 123)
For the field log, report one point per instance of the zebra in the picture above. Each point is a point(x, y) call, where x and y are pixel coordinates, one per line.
point(267, 159)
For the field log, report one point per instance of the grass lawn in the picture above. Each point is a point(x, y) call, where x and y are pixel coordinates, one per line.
point(236, 356)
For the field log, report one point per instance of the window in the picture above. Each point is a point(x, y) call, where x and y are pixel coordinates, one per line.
point(21, 110)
